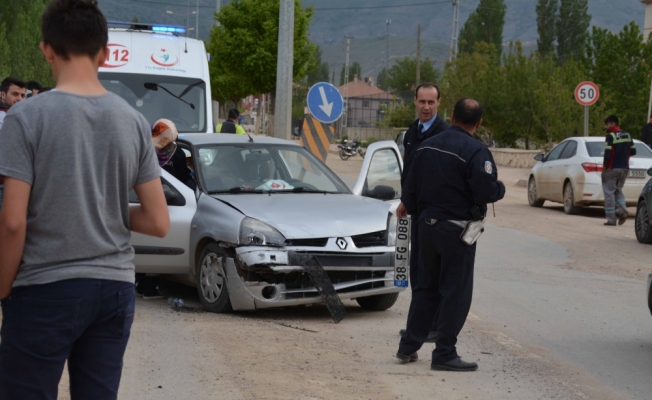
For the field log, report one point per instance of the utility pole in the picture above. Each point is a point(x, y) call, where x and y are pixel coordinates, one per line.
point(197, 21)
point(418, 81)
point(218, 4)
point(454, 36)
point(348, 40)
point(418, 55)
point(284, 68)
point(387, 22)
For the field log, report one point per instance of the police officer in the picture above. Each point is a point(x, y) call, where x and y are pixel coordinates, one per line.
point(427, 98)
point(231, 125)
point(452, 179)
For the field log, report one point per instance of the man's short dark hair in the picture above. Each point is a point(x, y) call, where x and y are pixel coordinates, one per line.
point(467, 112)
point(7, 82)
point(234, 113)
point(426, 85)
point(75, 27)
point(31, 85)
point(611, 118)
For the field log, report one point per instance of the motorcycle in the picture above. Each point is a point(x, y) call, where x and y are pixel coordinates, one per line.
point(347, 149)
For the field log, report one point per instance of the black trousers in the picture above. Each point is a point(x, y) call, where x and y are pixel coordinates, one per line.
point(445, 284)
point(414, 265)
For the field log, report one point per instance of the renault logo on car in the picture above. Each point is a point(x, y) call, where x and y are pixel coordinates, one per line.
point(341, 243)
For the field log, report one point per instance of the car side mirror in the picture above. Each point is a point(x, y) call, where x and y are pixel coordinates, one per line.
point(649, 172)
point(539, 157)
point(382, 192)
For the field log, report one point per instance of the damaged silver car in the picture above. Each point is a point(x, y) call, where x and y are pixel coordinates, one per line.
point(265, 206)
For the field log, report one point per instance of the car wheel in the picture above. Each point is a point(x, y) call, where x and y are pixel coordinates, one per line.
point(649, 300)
point(532, 197)
point(379, 302)
point(343, 156)
point(642, 224)
point(569, 200)
point(211, 280)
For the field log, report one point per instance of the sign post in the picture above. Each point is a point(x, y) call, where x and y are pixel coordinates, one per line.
point(587, 94)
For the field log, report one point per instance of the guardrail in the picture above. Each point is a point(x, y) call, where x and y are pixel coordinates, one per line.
point(514, 158)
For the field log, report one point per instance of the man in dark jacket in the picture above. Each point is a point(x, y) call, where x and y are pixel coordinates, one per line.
point(427, 98)
point(646, 135)
point(619, 146)
point(453, 178)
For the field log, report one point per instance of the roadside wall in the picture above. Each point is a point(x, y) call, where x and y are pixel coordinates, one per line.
point(514, 158)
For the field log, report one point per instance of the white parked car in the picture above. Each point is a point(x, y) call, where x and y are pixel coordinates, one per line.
point(571, 173)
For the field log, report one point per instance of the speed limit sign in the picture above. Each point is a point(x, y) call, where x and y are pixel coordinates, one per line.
point(587, 93)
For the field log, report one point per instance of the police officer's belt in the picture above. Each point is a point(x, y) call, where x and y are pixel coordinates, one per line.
point(461, 224)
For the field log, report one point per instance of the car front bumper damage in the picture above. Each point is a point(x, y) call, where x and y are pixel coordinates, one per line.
point(354, 274)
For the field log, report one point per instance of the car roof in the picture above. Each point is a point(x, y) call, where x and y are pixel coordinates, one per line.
point(229, 138)
point(592, 138)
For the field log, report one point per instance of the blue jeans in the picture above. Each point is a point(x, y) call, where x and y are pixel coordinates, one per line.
point(84, 321)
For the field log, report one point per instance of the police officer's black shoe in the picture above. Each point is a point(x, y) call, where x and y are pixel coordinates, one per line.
point(432, 335)
point(610, 223)
point(407, 358)
point(455, 365)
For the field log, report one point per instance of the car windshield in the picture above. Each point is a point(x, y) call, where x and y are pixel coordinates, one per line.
point(596, 149)
point(259, 168)
point(181, 100)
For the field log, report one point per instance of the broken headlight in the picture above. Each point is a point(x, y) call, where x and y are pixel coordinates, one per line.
point(257, 233)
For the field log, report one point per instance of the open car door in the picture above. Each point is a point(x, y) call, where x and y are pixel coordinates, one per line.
point(171, 254)
point(380, 175)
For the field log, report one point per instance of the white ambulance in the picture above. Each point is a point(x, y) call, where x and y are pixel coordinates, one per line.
point(160, 73)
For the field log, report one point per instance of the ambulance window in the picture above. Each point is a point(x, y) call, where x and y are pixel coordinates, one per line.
point(179, 99)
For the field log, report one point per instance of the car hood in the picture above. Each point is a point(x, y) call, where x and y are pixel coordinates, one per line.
point(309, 215)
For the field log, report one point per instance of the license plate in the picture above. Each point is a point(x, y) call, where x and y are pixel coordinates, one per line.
point(636, 173)
point(402, 254)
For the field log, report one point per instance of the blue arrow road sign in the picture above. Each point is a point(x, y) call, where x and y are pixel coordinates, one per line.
point(325, 102)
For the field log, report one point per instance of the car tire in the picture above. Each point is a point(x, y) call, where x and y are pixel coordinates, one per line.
point(532, 198)
point(211, 280)
point(649, 300)
point(569, 200)
point(642, 224)
point(379, 302)
point(343, 156)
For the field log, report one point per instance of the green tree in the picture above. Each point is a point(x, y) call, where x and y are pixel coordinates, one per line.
point(20, 35)
point(381, 80)
point(572, 29)
point(244, 47)
point(546, 25)
point(354, 69)
point(627, 80)
point(401, 116)
point(485, 24)
point(403, 74)
point(322, 71)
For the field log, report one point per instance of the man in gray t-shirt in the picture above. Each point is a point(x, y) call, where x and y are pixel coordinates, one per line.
point(81, 174)
point(70, 158)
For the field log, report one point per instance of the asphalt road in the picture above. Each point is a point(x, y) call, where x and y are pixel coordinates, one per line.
point(598, 323)
point(559, 311)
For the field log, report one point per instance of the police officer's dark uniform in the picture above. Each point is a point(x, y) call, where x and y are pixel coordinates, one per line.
point(414, 136)
point(451, 173)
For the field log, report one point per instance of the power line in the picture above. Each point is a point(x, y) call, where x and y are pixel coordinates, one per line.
point(170, 4)
point(373, 7)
